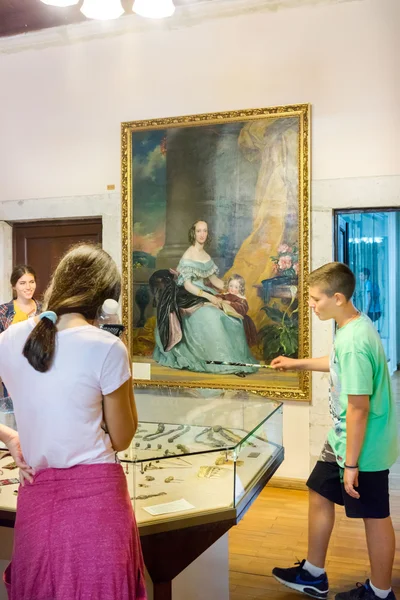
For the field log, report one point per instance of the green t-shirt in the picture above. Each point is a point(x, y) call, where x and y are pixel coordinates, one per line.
point(358, 366)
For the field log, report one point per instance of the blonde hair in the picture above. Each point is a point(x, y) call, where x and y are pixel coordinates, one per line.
point(83, 279)
point(242, 283)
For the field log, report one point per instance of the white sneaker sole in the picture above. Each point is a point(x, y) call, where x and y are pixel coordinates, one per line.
point(302, 588)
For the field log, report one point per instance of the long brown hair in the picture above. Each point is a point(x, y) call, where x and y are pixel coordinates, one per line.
point(84, 278)
point(18, 272)
point(192, 233)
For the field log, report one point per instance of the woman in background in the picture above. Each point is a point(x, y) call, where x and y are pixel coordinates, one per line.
point(22, 306)
point(75, 534)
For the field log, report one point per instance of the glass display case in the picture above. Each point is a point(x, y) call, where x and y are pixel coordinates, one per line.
point(196, 453)
point(199, 451)
point(198, 460)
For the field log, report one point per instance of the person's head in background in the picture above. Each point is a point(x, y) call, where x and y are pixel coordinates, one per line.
point(365, 274)
point(85, 277)
point(23, 283)
point(331, 288)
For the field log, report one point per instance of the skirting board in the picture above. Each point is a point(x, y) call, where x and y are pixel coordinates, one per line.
point(288, 483)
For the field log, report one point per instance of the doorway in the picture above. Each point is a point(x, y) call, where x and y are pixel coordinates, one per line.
point(368, 241)
point(41, 244)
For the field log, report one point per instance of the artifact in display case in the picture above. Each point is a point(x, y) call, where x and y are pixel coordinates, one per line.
point(196, 452)
point(200, 451)
point(198, 460)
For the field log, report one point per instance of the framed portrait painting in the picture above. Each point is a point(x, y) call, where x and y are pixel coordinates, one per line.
point(215, 231)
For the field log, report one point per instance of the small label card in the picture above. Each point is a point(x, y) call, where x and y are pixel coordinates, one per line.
point(169, 507)
point(141, 370)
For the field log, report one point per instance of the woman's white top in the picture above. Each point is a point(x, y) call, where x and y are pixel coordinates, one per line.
point(59, 413)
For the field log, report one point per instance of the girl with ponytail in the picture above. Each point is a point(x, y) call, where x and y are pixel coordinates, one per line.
point(74, 407)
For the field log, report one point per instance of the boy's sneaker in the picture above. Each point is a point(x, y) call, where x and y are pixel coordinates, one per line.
point(301, 580)
point(362, 591)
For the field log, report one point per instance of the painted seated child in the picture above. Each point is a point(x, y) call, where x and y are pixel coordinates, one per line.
point(235, 304)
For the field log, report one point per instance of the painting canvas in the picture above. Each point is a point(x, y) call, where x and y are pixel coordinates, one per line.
point(215, 227)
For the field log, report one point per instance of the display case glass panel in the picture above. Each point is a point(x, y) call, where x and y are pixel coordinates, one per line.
point(198, 451)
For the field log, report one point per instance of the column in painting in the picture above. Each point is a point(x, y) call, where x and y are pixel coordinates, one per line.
point(190, 183)
point(207, 178)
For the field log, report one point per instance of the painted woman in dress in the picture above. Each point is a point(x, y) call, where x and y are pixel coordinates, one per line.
point(198, 328)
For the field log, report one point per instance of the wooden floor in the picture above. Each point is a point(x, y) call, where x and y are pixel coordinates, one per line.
point(274, 533)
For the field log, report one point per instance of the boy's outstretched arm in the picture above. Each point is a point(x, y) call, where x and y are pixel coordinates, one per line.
point(282, 363)
point(356, 425)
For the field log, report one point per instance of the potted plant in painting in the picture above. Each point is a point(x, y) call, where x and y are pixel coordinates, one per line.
point(281, 335)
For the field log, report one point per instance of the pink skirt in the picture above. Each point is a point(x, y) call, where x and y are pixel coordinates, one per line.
point(76, 538)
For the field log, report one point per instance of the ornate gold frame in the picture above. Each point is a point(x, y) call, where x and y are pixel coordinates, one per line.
point(302, 111)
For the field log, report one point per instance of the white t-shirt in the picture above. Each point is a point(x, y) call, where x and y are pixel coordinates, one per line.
point(59, 413)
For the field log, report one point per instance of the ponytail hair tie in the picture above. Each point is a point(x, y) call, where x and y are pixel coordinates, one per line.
point(49, 314)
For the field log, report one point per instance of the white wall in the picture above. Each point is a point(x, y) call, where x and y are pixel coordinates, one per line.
point(62, 102)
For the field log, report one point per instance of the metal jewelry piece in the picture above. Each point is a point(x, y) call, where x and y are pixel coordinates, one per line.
point(217, 443)
point(161, 432)
point(183, 448)
point(149, 478)
point(145, 497)
point(213, 442)
point(209, 472)
point(185, 429)
point(152, 436)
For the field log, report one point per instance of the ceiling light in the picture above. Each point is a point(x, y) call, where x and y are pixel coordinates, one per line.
point(102, 9)
point(60, 2)
point(154, 9)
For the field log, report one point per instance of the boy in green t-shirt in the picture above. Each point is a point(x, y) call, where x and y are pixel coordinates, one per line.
point(353, 469)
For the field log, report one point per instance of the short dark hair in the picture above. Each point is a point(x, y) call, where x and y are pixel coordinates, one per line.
point(366, 272)
point(192, 233)
point(334, 278)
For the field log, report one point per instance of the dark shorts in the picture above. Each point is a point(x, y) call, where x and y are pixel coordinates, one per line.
point(327, 480)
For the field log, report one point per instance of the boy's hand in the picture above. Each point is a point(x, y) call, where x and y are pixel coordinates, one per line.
point(350, 481)
point(281, 363)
